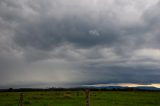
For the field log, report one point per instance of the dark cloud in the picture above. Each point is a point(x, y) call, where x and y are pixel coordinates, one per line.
point(65, 42)
point(48, 34)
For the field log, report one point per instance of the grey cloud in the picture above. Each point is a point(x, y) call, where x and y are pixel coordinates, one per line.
point(50, 34)
point(89, 41)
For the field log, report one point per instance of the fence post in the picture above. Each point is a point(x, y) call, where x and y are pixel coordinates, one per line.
point(21, 100)
point(87, 92)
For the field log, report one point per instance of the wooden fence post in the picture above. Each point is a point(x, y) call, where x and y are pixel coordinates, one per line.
point(21, 100)
point(87, 92)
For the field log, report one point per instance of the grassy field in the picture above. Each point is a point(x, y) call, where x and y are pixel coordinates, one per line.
point(77, 98)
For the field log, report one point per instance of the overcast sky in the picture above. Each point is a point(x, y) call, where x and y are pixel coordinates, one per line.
point(47, 43)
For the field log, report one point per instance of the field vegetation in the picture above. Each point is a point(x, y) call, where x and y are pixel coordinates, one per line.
point(77, 98)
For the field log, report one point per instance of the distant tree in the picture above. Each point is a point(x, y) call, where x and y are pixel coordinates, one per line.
point(10, 89)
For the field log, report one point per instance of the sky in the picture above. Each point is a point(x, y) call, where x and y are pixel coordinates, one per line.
point(45, 43)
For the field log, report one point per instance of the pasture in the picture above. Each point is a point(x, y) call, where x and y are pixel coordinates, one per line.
point(77, 98)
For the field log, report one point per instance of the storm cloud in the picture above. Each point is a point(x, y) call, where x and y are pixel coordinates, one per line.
point(77, 42)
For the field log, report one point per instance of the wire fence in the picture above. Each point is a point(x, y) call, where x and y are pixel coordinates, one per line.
point(87, 98)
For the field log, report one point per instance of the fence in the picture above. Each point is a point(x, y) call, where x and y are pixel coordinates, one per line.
point(87, 98)
point(21, 100)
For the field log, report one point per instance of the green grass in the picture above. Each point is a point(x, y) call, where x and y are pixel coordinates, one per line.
point(77, 98)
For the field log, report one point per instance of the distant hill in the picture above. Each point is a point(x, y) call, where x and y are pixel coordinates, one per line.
point(106, 88)
point(125, 88)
